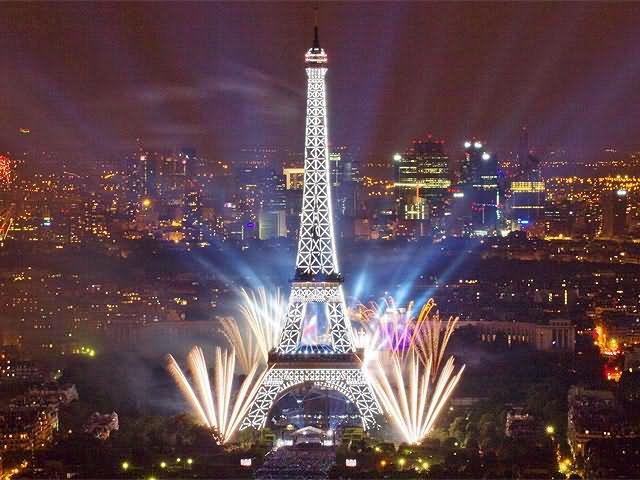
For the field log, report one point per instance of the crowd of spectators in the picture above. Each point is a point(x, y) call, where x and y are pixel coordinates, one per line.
point(304, 461)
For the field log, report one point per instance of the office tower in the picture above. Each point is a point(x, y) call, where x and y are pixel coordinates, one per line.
point(614, 214)
point(476, 197)
point(526, 201)
point(422, 181)
point(560, 219)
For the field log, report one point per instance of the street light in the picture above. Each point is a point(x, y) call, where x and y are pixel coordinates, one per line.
point(550, 430)
point(397, 157)
point(125, 466)
point(163, 464)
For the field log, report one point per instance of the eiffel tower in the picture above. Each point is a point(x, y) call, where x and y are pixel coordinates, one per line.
point(337, 365)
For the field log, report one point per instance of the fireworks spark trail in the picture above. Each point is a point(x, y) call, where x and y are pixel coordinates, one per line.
point(244, 344)
point(216, 407)
point(411, 398)
point(264, 314)
point(430, 337)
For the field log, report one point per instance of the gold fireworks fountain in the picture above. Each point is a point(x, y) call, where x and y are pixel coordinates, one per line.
point(408, 377)
point(216, 407)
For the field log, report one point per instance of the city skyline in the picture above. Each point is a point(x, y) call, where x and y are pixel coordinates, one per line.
point(221, 76)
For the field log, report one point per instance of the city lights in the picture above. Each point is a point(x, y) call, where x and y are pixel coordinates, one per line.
point(387, 296)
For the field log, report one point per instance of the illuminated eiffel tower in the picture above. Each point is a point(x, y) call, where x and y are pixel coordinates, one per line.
point(336, 365)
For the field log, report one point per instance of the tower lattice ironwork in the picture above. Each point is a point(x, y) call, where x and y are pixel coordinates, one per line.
point(335, 365)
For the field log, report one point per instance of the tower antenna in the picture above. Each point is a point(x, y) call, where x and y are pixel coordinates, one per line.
point(316, 41)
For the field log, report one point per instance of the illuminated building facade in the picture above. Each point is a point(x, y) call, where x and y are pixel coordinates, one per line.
point(614, 214)
point(422, 181)
point(526, 192)
point(317, 283)
point(527, 200)
point(479, 194)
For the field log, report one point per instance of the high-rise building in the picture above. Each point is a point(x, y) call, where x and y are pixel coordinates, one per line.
point(559, 219)
point(527, 197)
point(422, 181)
point(526, 189)
point(192, 218)
point(272, 216)
point(477, 194)
point(272, 224)
point(614, 214)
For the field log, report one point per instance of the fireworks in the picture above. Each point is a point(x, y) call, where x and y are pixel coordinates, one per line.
point(385, 328)
point(263, 313)
point(410, 396)
point(429, 337)
point(245, 346)
point(407, 375)
point(215, 406)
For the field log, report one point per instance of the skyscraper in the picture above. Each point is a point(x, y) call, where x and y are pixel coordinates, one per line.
point(422, 181)
point(526, 190)
point(478, 190)
point(614, 214)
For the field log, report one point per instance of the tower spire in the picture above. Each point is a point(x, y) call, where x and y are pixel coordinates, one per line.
point(316, 41)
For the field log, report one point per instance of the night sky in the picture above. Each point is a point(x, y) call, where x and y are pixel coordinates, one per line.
point(92, 78)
